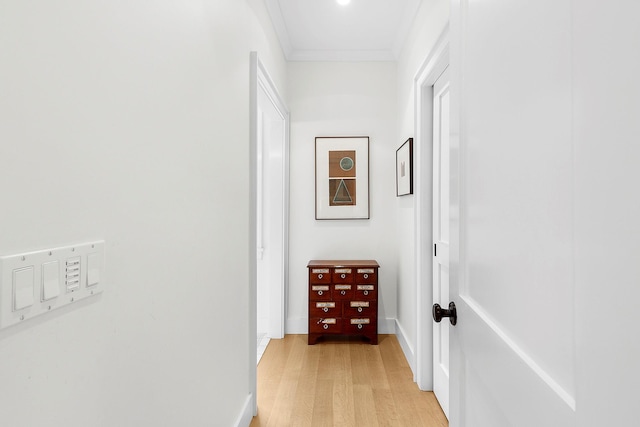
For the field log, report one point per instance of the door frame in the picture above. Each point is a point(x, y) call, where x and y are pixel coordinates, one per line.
point(428, 73)
point(260, 81)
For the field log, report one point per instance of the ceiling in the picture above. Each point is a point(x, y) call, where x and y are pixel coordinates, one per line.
point(322, 30)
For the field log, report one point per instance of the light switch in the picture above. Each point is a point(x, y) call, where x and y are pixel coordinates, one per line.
point(22, 288)
point(93, 269)
point(50, 280)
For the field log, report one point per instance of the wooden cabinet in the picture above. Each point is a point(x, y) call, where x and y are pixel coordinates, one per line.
point(343, 298)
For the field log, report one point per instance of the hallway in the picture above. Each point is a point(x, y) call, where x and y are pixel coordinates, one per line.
point(341, 383)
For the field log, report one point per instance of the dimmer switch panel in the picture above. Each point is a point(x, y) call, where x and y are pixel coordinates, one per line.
point(35, 283)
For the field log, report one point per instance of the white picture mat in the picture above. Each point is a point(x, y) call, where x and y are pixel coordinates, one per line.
point(361, 209)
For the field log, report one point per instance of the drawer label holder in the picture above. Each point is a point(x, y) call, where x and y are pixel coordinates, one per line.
point(343, 270)
point(320, 271)
point(327, 321)
point(366, 270)
point(320, 288)
point(360, 321)
point(325, 305)
point(343, 287)
point(366, 287)
point(359, 304)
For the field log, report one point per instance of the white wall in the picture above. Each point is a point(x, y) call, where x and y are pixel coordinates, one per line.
point(429, 23)
point(342, 99)
point(128, 121)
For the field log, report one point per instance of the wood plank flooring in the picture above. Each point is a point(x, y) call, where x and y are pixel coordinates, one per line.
point(341, 383)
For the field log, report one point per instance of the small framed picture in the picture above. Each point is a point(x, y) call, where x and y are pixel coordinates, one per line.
point(404, 168)
point(342, 177)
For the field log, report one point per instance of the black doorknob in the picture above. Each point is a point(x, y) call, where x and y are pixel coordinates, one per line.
point(439, 312)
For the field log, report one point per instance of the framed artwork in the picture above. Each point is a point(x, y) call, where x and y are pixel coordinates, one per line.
point(404, 168)
point(342, 177)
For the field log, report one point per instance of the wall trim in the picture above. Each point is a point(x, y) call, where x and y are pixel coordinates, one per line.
point(409, 354)
point(246, 414)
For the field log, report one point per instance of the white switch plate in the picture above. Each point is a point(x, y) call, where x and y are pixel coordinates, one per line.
point(71, 264)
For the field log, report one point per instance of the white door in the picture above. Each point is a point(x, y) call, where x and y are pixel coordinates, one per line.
point(270, 226)
point(512, 350)
point(441, 237)
point(270, 218)
point(545, 242)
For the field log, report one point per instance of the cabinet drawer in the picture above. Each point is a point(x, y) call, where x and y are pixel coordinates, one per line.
point(325, 308)
point(367, 275)
point(360, 308)
point(342, 291)
point(320, 292)
point(366, 292)
point(342, 275)
point(319, 275)
point(329, 325)
point(360, 325)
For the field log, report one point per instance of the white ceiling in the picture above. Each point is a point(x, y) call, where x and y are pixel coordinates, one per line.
point(322, 30)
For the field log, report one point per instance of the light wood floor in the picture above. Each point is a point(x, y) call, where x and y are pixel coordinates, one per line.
point(341, 383)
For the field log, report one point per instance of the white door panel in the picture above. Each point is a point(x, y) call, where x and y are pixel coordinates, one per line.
point(545, 239)
point(511, 237)
point(526, 395)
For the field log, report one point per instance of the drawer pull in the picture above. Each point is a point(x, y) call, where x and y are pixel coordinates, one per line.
point(342, 276)
point(343, 292)
point(365, 292)
point(359, 326)
point(320, 276)
point(366, 276)
point(321, 292)
point(325, 326)
point(359, 309)
point(326, 309)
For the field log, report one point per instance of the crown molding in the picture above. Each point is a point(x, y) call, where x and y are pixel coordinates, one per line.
point(291, 54)
point(273, 8)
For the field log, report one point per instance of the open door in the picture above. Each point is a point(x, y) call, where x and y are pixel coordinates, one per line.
point(441, 111)
point(545, 239)
point(511, 218)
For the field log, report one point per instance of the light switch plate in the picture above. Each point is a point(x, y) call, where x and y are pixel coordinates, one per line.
point(58, 276)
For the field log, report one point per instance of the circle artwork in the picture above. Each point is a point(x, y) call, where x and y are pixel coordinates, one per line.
point(346, 163)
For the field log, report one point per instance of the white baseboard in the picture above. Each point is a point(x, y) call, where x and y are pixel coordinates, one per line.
point(300, 325)
point(387, 326)
point(406, 348)
point(296, 325)
point(245, 417)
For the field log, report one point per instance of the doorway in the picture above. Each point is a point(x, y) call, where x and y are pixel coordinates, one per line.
point(432, 68)
point(269, 151)
point(440, 143)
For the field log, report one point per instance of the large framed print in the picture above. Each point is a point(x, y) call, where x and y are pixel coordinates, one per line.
point(404, 168)
point(342, 177)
